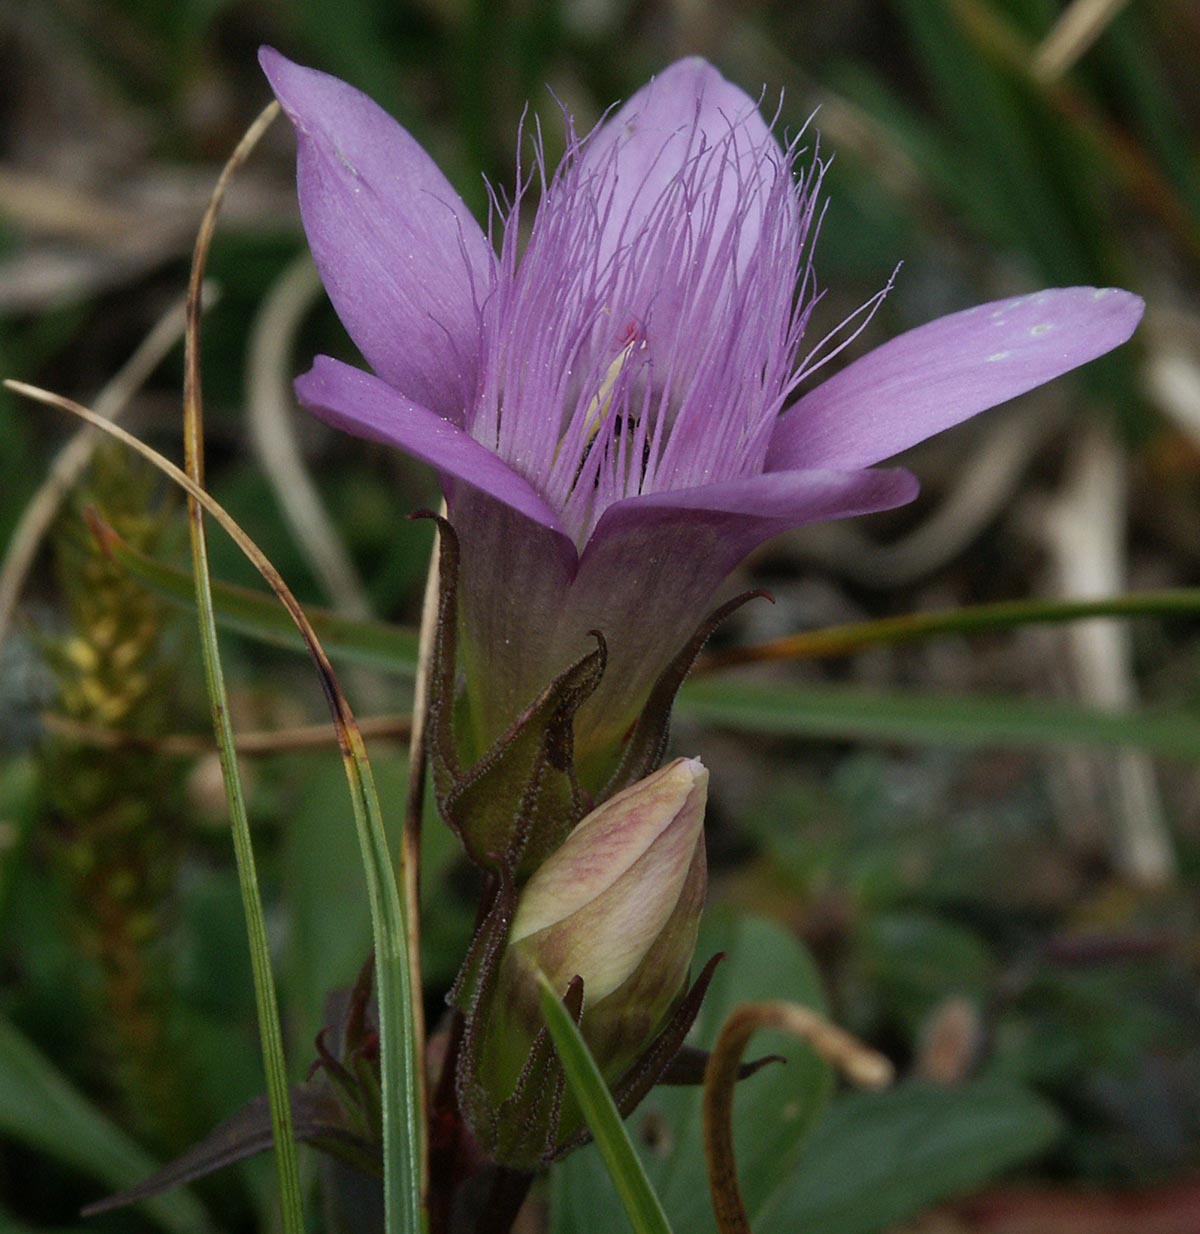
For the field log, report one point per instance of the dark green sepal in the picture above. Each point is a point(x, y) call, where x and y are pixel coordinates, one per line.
point(320, 1120)
point(647, 743)
point(686, 1069)
point(472, 994)
point(480, 965)
point(520, 800)
point(529, 1119)
point(519, 1129)
point(537, 1124)
point(642, 1075)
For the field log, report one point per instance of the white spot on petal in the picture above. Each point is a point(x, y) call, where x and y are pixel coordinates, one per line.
point(1044, 328)
point(999, 355)
point(1101, 292)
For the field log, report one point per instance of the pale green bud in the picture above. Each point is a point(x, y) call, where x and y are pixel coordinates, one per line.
point(618, 904)
point(595, 908)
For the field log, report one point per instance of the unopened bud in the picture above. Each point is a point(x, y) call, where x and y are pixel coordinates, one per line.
point(598, 906)
point(618, 905)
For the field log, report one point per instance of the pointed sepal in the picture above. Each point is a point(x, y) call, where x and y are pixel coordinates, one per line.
point(686, 1069)
point(647, 743)
point(319, 1119)
point(514, 805)
point(519, 802)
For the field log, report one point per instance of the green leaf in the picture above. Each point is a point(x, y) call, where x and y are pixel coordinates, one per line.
point(259, 615)
point(400, 1058)
point(641, 1205)
point(841, 640)
point(913, 718)
point(880, 1158)
point(40, 1108)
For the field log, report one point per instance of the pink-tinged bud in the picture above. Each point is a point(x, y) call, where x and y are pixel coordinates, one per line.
point(597, 907)
point(617, 905)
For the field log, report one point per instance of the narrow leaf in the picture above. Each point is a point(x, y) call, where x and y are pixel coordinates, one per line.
point(641, 1205)
point(911, 627)
point(913, 718)
point(265, 1000)
point(320, 1120)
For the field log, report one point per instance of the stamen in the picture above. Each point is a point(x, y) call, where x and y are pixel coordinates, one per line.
point(601, 403)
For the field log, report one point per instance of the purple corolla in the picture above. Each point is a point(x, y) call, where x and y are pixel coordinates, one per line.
point(609, 400)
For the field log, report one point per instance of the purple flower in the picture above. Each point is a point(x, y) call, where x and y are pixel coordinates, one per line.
point(610, 409)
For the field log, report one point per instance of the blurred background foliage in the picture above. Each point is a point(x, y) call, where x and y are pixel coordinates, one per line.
point(1009, 914)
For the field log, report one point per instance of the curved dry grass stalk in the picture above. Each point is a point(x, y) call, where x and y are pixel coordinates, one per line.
point(856, 1061)
point(350, 737)
point(1072, 35)
point(266, 1001)
point(397, 963)
point(72, 460)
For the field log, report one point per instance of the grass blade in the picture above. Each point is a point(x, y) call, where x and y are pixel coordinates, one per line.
point(1006, 615)
point(912, 718)
point(642, 1206)
point(396, 972)
point(265, 999)
point(403, 1119)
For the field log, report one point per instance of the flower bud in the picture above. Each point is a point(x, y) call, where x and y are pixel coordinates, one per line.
point(631, 873)
point(618, 905)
